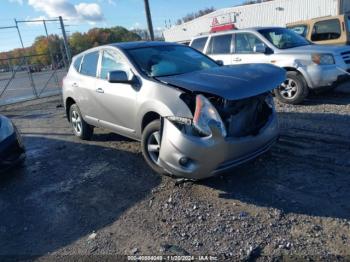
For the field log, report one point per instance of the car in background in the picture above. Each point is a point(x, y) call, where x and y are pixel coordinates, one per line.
point(12, 151)
point(328, 30)
point(194, 118)
point(309, 66)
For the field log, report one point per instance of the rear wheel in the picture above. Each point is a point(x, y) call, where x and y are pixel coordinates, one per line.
point(294, 90)
point(150, 145)
point(80, 128)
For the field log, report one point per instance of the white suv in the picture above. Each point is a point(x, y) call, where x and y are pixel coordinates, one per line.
point(308, 66)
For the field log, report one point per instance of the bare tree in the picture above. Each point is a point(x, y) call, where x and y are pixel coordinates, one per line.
point(192, 16)
point(250, 2)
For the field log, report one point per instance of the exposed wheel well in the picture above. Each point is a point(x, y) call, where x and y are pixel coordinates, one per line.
point(69, 102)
point(291, 69)
point(148, 118)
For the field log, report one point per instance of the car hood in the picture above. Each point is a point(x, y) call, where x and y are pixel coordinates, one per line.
point(333, 49)
point(230, 82)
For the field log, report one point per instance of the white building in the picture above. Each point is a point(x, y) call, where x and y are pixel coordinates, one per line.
point(272, 13)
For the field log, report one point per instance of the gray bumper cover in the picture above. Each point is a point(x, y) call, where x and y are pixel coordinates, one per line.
point(211, 155)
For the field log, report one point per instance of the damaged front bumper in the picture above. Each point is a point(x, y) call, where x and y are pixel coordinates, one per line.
point(195, 157)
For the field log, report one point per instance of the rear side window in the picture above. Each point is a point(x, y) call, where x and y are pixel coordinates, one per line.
point(89, 65)
point(199, 43)
point(220, 44)
point(299, 29)
point(326, 30)
point(77, 63)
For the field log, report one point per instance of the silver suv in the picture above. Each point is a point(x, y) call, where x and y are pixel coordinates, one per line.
point(193, 117)
point(309, 66)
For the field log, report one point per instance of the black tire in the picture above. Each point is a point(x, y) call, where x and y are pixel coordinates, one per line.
point(83, 130)
point(146, 140)
point(294, 90)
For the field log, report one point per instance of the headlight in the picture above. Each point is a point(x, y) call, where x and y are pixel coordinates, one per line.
point(323, 59)
point(6, 128)
point(204, 113)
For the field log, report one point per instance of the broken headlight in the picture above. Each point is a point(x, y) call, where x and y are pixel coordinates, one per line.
point(204, 113)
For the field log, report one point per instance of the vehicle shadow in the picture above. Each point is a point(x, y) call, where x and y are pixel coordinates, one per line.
point(306, 172)
point(330, 97)
point(65, 191)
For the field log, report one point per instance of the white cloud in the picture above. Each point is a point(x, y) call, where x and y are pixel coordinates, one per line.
point(87, 12)
point(17, 1)
point(136, 25)
point(111, 2)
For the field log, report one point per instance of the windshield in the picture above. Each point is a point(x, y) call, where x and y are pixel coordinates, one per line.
point(283, 38)
point(169, 60)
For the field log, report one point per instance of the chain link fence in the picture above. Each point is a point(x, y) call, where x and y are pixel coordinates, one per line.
point(30, 72)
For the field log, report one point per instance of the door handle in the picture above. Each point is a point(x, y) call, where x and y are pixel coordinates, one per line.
point(100, 90)
point(237, 59)
point(74, 85)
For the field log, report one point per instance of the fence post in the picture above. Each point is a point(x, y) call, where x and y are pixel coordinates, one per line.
point(65, 40)
point(26, 61)
point(51, 54)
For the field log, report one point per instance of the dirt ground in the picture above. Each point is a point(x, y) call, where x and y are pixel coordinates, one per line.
point(99, 197)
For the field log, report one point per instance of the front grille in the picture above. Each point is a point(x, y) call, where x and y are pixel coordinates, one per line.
point(346, 57)
point(244, 117)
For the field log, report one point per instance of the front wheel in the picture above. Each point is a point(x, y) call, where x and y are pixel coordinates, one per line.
point(294, 90)
point(80, 128)
point(150, 145)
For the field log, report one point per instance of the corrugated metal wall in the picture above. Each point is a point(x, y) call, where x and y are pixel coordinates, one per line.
point(274, 13)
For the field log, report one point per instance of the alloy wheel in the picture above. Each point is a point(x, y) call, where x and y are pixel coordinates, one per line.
point(76, 122)
point(153, 146)
point(288, 89)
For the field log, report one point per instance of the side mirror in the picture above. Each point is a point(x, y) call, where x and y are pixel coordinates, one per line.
point(220, 62)
point(120, 77)
point(260, 48)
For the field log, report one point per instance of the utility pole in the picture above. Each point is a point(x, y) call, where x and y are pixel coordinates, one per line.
point(65, 40)
point(149, 20)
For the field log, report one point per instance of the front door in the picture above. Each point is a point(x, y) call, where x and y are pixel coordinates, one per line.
point(116, 101)
point(244, 49)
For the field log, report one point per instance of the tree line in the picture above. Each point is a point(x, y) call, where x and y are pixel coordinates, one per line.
point(44, 49)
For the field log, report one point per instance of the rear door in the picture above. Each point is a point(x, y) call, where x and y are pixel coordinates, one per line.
point(86, 86)
point(244, 49)
point(220, 48)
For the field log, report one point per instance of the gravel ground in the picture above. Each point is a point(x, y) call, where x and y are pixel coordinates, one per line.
point(100, 198)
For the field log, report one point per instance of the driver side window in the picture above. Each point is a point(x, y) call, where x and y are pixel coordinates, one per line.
point(112, 61)
point(245, 42)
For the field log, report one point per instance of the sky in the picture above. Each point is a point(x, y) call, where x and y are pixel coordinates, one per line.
point(81, 15)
